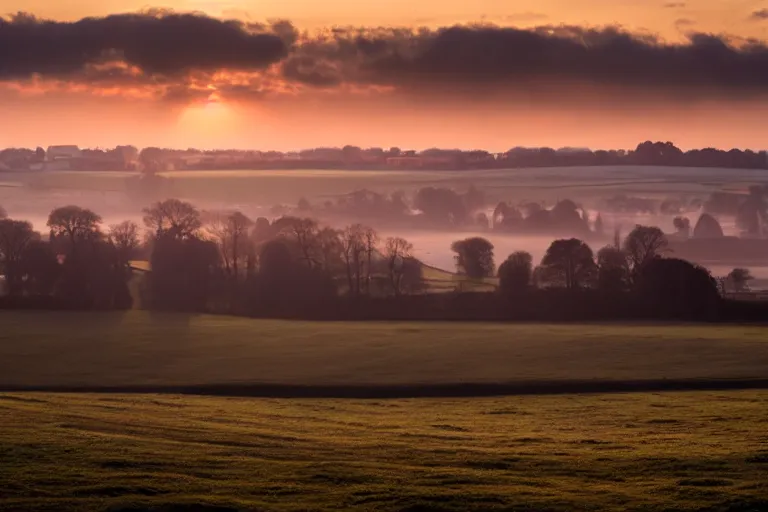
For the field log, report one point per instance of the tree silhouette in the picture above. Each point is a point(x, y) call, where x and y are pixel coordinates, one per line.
point(707, 227)
point(125, 238)
point(752, 215)
point(474, 257)
point(682, 226)
point(676, 288)
point(398, 250)
point(599, 226)
point(173, 217)
point(303, 233)
point(612, 269)
point(74, 225)
point(569, 262)
point(353, 249)
point(515, 273)
point(739, 279)
point(15, 239)
point(644, 244)
point(232, 234)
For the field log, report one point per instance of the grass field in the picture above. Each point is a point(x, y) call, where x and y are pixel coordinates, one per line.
point(141, 348)
point(644, 452)
point(317, 185)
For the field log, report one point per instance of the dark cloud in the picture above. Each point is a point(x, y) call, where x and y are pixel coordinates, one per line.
point(461, 57)
point(675, 5)
point(179, 55)
point(762, 14)
point(156, 42)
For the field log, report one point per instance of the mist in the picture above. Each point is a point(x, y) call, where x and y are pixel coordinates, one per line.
point(271, 194)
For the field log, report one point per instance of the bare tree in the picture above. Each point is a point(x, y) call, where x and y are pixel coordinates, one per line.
point(176, 218)
point(231, 233)
point(352, 250)
point(642, 245)
point(397, 251)
point(329, 248)
point(74, 224)
point(304, 233)
point(124, 237)
point(371, 240)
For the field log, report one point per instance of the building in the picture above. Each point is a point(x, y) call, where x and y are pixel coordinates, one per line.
point(62, 153)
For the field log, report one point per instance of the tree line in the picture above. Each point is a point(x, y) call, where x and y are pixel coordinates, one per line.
point(353, 157)
point(225, 262)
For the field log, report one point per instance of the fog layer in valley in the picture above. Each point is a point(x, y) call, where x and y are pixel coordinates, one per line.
point(121, 196)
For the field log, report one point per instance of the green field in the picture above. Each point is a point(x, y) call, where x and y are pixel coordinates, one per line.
point(644, 452)
point(143, 348)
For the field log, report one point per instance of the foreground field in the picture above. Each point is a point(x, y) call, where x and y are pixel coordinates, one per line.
point(143, 349)
point(645, 452)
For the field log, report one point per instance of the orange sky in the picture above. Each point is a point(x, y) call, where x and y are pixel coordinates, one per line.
point(45, 111)
point(659, 16)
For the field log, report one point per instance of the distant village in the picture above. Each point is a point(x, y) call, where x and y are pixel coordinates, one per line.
point(152, 159)
point(129, 158)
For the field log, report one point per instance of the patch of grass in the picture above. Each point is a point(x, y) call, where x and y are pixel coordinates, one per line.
point(208, 454)
point(143, 348)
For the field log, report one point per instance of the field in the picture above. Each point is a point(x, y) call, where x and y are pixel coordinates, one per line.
point(644, 452)
point(139, 348)
point(148, 440)
point(531, 183)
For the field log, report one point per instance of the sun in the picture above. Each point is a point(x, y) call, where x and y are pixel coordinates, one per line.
point(211, 116)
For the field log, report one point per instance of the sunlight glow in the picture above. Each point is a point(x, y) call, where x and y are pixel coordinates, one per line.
point(210, 116)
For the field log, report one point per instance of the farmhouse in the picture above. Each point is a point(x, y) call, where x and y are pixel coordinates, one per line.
point(55, 153)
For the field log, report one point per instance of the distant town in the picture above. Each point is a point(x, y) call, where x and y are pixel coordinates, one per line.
point(152, 159)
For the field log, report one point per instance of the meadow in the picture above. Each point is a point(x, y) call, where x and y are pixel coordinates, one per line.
point(271, 187)
point(634, 452)
point(140, 348)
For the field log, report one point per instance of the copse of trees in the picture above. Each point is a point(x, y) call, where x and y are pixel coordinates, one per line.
point(224, 262)
point(632, 279)
point(77, 266)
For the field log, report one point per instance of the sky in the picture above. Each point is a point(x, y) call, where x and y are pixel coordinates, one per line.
point(290, 74)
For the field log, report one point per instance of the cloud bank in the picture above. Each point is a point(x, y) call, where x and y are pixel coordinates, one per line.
point(181, 56)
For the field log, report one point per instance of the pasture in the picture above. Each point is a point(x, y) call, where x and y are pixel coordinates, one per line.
point(641, 452)
point(139, 348)
point(268, 187)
